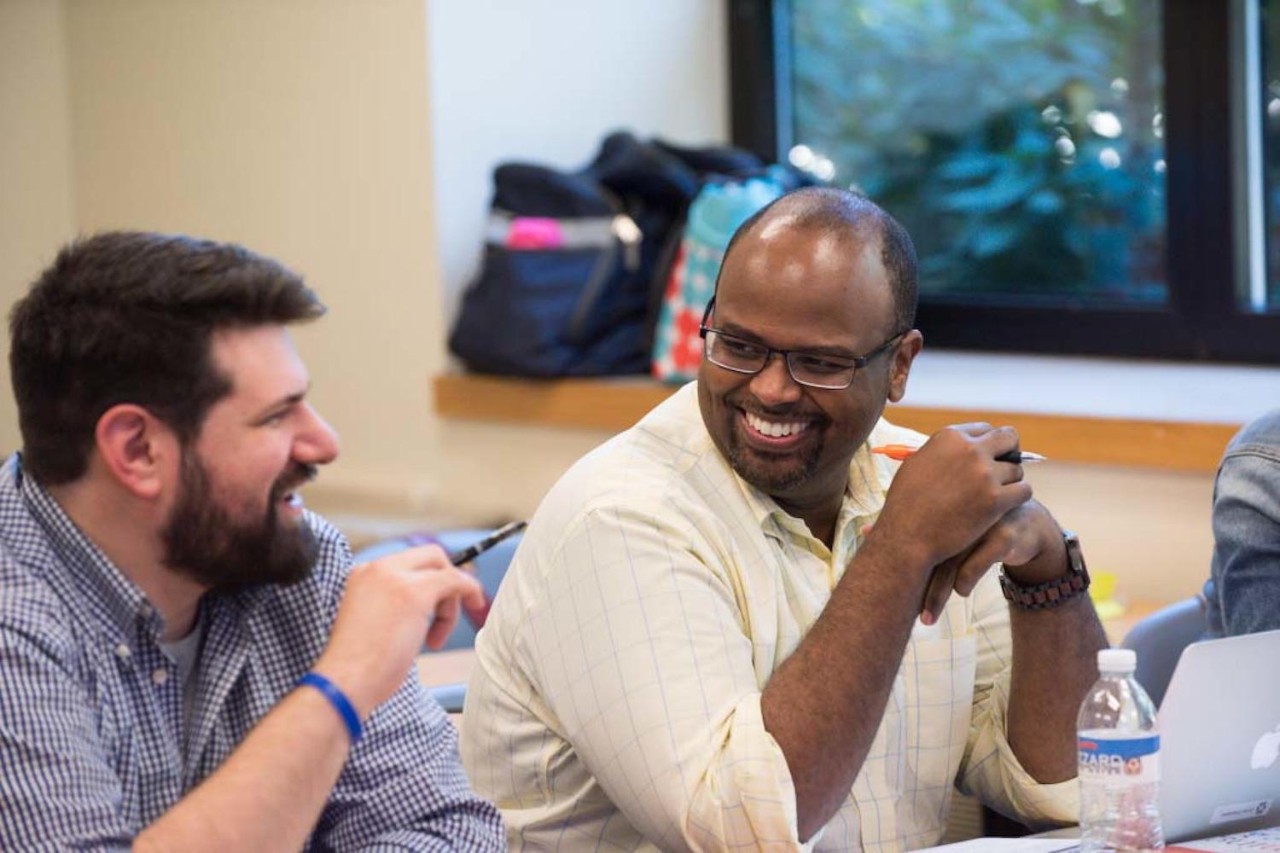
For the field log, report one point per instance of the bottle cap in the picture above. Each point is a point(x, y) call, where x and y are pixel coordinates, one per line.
point(1117, 660)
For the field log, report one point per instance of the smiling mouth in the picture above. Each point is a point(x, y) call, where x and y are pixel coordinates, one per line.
point(781, 430)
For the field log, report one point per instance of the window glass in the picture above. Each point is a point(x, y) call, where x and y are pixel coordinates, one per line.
point(1267, 298)
point(1019, 141)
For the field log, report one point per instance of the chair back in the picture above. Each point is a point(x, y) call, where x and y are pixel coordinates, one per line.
point(1159, 640)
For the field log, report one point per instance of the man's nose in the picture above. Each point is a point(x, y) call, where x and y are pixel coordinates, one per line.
point(317, 443)
point(774, 383)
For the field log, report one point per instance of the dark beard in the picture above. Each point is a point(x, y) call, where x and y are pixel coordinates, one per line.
point(203, 542)
point(745, 464)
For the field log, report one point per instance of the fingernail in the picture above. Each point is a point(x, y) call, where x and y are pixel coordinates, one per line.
point(926, 618)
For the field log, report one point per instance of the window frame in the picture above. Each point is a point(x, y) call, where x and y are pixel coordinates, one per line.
point(1207, 216)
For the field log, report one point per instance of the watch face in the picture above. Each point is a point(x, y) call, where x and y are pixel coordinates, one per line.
point(1075, 555)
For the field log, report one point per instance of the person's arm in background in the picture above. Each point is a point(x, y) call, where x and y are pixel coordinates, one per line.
point(1246, 529)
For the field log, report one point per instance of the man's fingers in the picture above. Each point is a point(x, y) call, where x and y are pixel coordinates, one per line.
point(417, 557)
point(977, 563)
point(445, 590)
point(974, 429)
point(999, 441)
point(1012, 496)
point(939, 589)
point(442, 622)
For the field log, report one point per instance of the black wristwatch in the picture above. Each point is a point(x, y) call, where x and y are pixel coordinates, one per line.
point(1051, 593)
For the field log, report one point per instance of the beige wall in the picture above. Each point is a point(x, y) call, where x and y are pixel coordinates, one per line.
point(299, 128)
point(37, 211)
point(308, 129)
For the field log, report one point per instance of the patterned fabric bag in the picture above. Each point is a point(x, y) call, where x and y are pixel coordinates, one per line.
point(717, 211)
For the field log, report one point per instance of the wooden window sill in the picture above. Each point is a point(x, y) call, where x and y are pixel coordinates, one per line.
point(616, 403)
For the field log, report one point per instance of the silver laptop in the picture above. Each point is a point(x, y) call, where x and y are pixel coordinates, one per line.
point(1220, 738)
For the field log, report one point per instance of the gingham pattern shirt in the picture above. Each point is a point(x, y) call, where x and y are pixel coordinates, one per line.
point(616, 699)
point(91, 708)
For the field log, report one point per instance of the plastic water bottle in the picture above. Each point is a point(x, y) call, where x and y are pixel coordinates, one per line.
point(1119, 761)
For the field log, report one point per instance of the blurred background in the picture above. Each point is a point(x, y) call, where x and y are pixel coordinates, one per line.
point(1026, 145)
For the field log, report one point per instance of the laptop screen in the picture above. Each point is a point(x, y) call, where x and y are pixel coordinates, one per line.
point(1220, 738)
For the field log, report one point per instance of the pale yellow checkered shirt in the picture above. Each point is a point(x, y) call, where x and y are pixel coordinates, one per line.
point(615, 702)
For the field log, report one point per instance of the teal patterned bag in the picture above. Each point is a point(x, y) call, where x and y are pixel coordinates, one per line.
point(717, 211)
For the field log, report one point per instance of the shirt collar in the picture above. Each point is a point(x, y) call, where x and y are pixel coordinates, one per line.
point(119, 601)
point(862, 502)
point(678, 422)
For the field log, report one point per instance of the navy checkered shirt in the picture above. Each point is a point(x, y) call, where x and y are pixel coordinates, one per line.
point(91, 708)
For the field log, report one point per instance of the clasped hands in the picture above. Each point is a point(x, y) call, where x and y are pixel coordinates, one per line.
point(954, 511)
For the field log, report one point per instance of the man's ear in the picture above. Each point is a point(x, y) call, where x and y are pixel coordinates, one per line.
point(903, 355)
point(137, 448)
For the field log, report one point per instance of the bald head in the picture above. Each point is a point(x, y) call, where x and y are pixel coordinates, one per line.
point(845, 215)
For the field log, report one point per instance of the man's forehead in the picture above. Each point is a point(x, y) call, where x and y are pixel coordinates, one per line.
point(796, 256)
point(259, 359)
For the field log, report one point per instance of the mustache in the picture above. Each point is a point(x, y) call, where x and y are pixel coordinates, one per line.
point(297, 474)
point(796, 411)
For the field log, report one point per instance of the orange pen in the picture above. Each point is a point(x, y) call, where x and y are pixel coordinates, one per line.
point(901, 452)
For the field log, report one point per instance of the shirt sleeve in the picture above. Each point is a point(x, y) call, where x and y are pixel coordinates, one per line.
point(990, 769)
point(403, 787)
point(1246, 536)
point(640, 649)
point(58, 790)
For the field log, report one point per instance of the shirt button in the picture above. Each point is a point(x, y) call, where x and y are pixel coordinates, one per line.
point(146, 610)
point(122, 652)
point(159, 677)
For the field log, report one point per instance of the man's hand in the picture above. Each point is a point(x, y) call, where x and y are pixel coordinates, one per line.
point(388, 608)
point(950, 493)
point(1026, 539)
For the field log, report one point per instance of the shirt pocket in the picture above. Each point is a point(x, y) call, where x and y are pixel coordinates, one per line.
point(938, 678)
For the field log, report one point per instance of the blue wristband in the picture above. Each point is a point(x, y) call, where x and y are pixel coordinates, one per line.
point(338, 699)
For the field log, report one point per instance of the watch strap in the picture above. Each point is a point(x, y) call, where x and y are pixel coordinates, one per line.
point(1049, 594)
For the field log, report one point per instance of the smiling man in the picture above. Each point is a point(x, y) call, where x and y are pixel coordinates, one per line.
point(187, 661)
point(733, 625)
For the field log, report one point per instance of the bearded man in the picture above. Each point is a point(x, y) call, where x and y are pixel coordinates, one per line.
point(187, 659)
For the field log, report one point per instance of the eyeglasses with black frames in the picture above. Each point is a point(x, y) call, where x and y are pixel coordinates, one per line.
point(815, 370)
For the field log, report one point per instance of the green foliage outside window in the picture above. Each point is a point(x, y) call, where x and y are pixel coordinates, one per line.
point(1019, 142)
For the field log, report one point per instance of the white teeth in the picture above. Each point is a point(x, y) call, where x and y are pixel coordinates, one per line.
point(776, 429)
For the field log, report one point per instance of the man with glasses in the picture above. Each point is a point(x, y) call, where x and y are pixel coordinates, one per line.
point(733, 626)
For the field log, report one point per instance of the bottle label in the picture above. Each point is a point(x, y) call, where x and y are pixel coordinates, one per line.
point(1120, 761)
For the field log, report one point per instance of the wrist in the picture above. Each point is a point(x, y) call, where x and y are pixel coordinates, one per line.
point(338, 701)
point(1071, 582)
point(348, 680)
point(905, 567)
point(1050, 560)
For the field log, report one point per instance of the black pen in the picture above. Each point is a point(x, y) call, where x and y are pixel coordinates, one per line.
point(901, 452)
point(470, 552)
